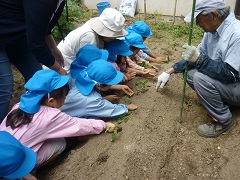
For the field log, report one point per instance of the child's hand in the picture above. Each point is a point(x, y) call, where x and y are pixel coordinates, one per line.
point(160, 60)
point(149, 72)
point(131, 107)
point(127, 90)
point(151, 65)
point(112, 98)
point(130, 75)
point(110, 127)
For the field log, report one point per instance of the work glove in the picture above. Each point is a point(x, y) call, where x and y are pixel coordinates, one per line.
point(162, 80)
point(190, 53)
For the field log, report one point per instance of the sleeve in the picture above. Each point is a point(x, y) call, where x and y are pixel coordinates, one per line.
point(37, 24)
point(217, 70)
point(179, 67)
point(63, 125)
point(132, 64)
point(146, 50)
point(99, 107)
point(143, 55)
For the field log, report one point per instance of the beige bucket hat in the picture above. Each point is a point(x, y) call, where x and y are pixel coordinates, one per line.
point(109, 24)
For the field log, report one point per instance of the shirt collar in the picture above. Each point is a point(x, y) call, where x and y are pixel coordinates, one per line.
point(230, 18)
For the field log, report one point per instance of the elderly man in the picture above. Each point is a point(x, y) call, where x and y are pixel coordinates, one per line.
point(214, 65)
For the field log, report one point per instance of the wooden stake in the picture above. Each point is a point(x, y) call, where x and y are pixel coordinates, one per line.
point(145, 10)
point(174, 12)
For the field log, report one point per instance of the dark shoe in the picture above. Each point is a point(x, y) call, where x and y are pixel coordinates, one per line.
point(213, 129)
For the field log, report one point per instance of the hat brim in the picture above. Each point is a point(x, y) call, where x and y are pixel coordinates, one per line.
point(84, 84)
point(140, 46)
point(118, 78)
point(105, 54)
point(97, 26)
point(64, 80)
point(85, 88)
point(27, 166)
point(127, 53)
point(147, 35)
point(189, 16)
point(75, 68)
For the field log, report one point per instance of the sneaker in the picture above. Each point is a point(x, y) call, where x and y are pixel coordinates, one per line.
point(213, 129)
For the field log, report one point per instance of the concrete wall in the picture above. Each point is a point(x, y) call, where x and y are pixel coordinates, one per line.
point(164, 7)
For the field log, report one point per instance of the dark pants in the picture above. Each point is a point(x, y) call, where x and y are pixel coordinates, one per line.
point(22, 58)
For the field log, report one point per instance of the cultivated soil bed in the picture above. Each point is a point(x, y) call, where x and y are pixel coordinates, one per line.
point(153, 145)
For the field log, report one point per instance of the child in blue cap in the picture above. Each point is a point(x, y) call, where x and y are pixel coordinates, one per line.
point(38, 123)
point(84, 98)
point(16, 160)
point(85, 56)
point(135, 43)
point(119, 47)
point(141, 28)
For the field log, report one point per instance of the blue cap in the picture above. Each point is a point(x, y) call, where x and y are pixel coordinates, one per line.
point(117, 47)
point(16, 160)
point(99, 71)
point(42, 82)
point(134, 39)
point(85, 56)
point(141, 28)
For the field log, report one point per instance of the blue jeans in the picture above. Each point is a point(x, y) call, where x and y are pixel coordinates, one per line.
point(22, 58)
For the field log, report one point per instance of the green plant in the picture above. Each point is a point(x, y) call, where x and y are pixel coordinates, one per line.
point(143, 64)
point(116, 130)
point(123, 118)
point(142, 83)
point(73, 15)
point(167, 59)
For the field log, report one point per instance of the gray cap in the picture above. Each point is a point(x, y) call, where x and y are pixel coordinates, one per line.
point(202, 5)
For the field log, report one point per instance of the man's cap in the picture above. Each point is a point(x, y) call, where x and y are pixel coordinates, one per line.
point(16, 160)
point(85, 56)
point(99, 71)
point(117, 47)
point(109, 24)
point(41, 83)
point(134, 39)
point(202, 5)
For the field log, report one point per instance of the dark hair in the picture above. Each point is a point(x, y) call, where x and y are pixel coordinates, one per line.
point(221, 13)
point(18, 117)
point(119, 59)
point(133, 48)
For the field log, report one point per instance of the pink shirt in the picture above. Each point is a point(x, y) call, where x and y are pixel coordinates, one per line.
point(50, 123)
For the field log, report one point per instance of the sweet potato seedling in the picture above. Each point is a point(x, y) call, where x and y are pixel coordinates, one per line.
point(167, 59)
point(116, 130)
point(142, 83)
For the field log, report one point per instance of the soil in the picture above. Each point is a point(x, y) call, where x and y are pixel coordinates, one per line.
point(152, 145)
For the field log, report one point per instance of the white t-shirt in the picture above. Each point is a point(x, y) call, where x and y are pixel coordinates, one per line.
point(75, 40)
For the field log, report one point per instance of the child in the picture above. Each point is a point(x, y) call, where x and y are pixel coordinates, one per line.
point(143, 29)
point(119, 47)
point(84, 98)
point(135, 43)
point(85, 56)
point(38, 123)
point(17, 161)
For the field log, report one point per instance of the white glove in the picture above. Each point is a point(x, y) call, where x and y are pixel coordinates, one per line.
point(190, 53)
point(162, 80)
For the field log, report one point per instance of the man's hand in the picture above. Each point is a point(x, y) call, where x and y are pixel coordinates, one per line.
point(190, 53)
point(162, 80)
